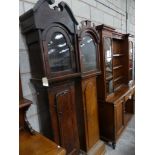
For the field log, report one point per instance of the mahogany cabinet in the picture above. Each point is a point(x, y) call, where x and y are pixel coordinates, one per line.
point(86, 91)
point(116, 83)
point(51, 37)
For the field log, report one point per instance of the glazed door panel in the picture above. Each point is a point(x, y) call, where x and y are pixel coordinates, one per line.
point(62, 107)
point(119, 117)
point(91, 112)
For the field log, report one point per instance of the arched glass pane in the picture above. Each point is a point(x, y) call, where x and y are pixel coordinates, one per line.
point(108, 56)
point(131, 61)
point(108, 64)
point(88, 53)
point(59, 53)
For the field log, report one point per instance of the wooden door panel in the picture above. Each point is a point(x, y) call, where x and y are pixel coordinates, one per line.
point(91, 112)
point(119, 116)
point(54, 119)
point(64, 123)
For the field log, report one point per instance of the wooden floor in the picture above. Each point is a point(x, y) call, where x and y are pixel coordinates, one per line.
point(126, 143)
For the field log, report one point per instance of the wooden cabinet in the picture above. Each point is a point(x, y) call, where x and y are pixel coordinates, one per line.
point(51, 37)
point(86, 91)
point(116, 83)
point(115, 113)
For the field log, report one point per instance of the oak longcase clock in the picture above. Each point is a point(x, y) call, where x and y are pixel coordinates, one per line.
point(86, 94)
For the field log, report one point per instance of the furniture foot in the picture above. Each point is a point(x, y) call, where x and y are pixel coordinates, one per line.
point(113, 145)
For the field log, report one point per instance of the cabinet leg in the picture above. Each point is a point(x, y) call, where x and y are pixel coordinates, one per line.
point(113, 145)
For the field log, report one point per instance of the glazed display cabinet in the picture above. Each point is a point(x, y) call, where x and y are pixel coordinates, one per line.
point(116, 83)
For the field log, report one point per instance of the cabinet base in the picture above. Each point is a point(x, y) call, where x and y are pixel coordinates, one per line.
point(97, 149)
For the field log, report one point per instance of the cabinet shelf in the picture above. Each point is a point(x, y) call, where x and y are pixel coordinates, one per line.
point(117, 67)
point(118, 87)
point(109, 78)
point(118, 78)
point(118, 55)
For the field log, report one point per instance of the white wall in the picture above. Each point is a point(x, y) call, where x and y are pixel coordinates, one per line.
point(110, 12)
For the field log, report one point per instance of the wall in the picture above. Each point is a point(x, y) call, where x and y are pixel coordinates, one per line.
point(110, 12)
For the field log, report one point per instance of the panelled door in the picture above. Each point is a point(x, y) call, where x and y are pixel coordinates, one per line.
point(119, 117)
point(91, 111)
point(64, 117)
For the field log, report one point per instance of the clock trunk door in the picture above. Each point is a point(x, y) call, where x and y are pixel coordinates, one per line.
point(62, 107)
point(91, 111)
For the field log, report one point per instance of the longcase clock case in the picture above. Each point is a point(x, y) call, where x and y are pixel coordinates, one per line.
point(86, 91)
point(51, 35)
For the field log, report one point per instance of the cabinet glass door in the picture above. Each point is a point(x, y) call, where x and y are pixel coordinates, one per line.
point(133, 70)
point(108, 64)
point(88, 53)
point(130, 60)
point(59, 53)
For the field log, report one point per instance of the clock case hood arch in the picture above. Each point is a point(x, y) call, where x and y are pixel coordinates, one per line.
point(35, 25)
